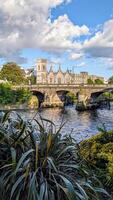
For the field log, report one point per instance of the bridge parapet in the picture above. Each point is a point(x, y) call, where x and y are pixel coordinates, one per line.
point(50, 90)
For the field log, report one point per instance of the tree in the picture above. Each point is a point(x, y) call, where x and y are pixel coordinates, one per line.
point(6, 94)
point(71, 98)
point(9, 96)
point(31, 80)
point(12, 73)
point(110, 81)
point(90, 81)
point(99, 81)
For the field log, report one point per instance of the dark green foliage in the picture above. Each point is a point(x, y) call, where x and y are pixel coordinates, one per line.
point(37, 163)
point(90, 81)
point(110, 81)
point(108, 95)
point(98, 81)
point(98, 151)
point(22, 95)
point(31, 80)
point(12, 73)
point(8, 96)
point(71, 98)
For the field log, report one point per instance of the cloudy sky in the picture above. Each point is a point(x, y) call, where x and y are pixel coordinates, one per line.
point(78, 34)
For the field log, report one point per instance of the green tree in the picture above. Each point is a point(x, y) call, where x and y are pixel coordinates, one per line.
point(31, 80)
point(99, 81)
point(90, 81)
point(110, 81)
point(71, 98)
point(12, 73)
point(6, 94)
point(22, 95)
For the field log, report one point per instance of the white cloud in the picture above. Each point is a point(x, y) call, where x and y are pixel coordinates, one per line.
point(82, 64)
point(101, 44)
point(27, 24)
point(58, 36)
point(108, 63)
point(76, 56)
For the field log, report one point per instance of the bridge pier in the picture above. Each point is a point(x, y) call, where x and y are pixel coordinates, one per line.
point(52, 100)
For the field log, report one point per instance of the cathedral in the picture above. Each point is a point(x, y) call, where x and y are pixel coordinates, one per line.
point(43, 76)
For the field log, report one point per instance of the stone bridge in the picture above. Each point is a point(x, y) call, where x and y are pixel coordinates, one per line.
point(50, 94)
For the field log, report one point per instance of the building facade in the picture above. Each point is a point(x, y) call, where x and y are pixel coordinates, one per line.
point(43, 76)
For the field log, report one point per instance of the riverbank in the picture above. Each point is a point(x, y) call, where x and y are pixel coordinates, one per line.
point(26, 107)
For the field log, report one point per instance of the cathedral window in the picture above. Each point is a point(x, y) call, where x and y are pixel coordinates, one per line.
point(59, 80)
point(39, 67)
point(51, 80)
point(43, 67)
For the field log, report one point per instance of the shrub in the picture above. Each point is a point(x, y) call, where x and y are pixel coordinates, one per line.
point(33, 102)
point(37, 163)
point(8, 96)
point(98, 151)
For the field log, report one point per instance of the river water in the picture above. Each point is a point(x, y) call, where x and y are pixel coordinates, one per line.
point(80, 125)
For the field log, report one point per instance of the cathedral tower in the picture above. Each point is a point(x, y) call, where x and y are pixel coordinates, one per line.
point(41, 71)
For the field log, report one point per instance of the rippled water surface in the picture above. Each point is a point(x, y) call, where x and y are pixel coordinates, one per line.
point(80, 124)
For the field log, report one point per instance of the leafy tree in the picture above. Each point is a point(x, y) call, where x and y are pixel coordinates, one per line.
point(99, 81)
point(71, 98)
point(22, 95)
point(108, 95)
point(0, 75)
point(98, 150)
point(31, 80)
point(12, 73)
point(110, 81)
point(90, 81)
point(6, 94)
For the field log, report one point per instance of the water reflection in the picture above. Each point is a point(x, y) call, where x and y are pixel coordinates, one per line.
point(80, 124)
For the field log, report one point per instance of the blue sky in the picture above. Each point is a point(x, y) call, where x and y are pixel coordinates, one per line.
point(76, 34)
point(89, 12)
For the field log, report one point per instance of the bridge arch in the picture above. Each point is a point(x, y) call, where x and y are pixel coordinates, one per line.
point(40, 96)
point(95, 95)
point(65, 96)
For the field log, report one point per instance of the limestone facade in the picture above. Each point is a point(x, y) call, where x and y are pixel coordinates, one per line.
point(43, 76)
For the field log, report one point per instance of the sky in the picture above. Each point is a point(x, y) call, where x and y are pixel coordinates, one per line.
point(76, 34)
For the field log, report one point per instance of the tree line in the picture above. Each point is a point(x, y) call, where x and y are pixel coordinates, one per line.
point(14, 74)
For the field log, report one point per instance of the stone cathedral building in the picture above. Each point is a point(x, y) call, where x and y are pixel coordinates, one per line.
point(43, 76)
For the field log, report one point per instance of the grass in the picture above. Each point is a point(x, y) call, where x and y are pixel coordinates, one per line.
point(37, 163)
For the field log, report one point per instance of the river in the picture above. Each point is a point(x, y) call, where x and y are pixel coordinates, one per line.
point(80, 125)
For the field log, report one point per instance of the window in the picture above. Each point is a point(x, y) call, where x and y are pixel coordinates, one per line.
point(59, 80)
point(51, 80)
point(43, 67)
point(39, 67)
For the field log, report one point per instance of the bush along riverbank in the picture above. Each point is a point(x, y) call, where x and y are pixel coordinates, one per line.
point(19, 99)
point(37, 163)
point(98, 151)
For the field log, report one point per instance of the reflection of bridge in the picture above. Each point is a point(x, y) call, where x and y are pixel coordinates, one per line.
point(52, 93)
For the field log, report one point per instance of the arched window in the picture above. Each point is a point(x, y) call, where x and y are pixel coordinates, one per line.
point(59, 80)
point(39, 67)
point(51, 80)
point(44, 67)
